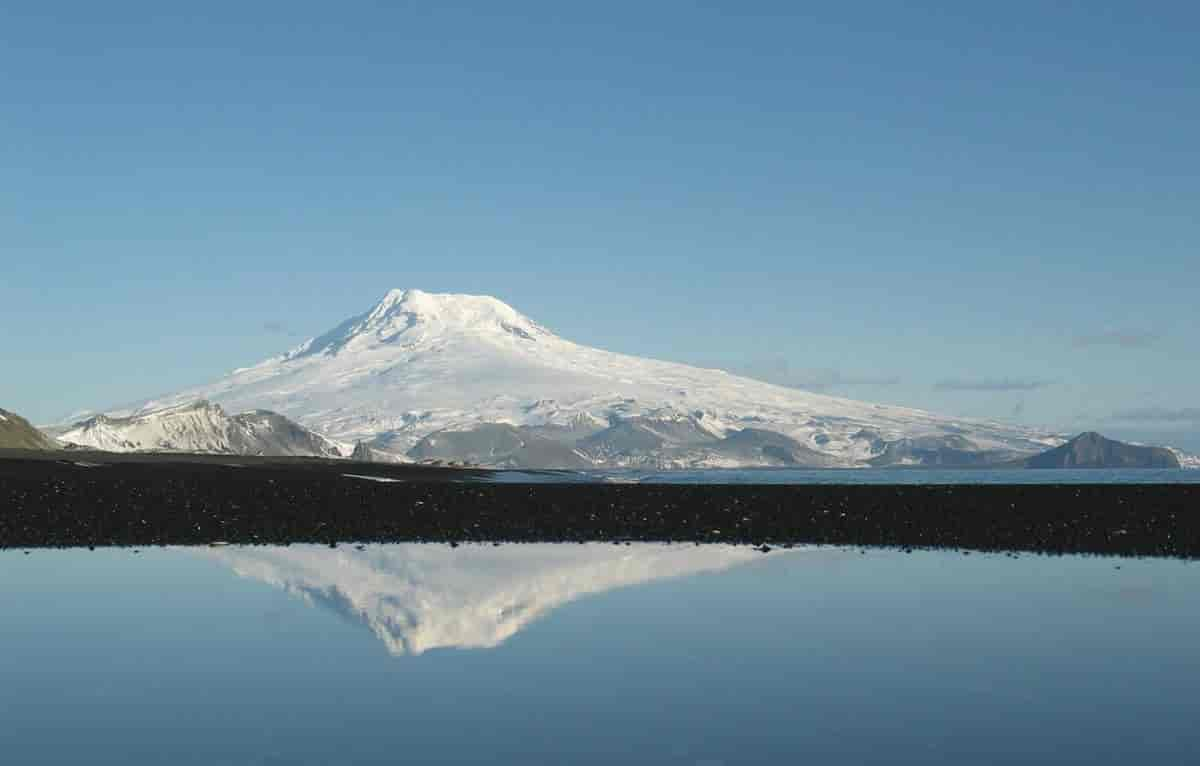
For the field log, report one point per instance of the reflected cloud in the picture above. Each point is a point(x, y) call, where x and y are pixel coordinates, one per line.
point(417, 597)
point(1159, 415)
point(992, 384)
point(1119, 338)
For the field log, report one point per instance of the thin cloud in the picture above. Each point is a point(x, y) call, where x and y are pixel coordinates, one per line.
point(992, 384)
point(1118, 338)
point(278, 328)
point(1159, 415)
point(837, 380)
point(779, 372)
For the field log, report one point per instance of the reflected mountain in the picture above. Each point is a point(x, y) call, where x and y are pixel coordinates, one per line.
point(418, 597)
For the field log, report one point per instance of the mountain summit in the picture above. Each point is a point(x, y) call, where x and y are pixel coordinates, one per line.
point(410, 316)
point(445, 376)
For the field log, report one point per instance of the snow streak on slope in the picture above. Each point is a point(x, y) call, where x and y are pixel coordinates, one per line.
point(199, 427)
point(1185, 459)
point(421, 597)
point(418, 362)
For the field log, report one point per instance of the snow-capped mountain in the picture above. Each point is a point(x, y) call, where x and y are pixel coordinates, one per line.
point(199, 427)
point(436, 373)
point(421, 597)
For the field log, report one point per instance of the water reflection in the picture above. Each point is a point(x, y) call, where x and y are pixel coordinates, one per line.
point(421, 597)
point(827, 656)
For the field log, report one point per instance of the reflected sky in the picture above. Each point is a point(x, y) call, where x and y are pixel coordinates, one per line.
point(594, 654)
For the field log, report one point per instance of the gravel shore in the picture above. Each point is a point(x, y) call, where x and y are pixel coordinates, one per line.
point(86, 499)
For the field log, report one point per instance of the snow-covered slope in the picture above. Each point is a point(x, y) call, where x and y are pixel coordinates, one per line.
point(421, 597)
point(418, 363)
point(1185, 459)
point(199, 427)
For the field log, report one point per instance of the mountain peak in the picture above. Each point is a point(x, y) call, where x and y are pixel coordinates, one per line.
point(1092, 450)
point(411, 314)
point(448, 307)
point(398, 296)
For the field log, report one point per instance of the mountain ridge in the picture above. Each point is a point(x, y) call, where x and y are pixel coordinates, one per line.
point(18, 433)
point(199, 427)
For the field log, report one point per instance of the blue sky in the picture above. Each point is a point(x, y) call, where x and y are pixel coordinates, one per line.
point(980, 209)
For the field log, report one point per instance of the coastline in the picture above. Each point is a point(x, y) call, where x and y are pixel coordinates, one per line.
point(98, 499)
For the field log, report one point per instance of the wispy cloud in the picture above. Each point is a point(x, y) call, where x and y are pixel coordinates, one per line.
point(278, 328)
point(779, 372)
point(1159, 415)
point(992, 384)
point(1119, 338)
point(833, 379)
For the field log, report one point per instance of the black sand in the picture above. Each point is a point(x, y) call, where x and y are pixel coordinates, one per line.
point(83, 499)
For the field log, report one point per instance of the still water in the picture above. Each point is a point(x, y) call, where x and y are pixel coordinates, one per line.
point(597, 654)
point(867, 476)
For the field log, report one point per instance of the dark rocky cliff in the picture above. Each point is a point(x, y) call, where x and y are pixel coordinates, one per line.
point(1091, 450)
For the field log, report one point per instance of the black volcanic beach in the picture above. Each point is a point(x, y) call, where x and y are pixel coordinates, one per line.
point(94, 499)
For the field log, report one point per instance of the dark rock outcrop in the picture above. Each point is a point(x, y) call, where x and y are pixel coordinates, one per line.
point(365, 453)
point(1091, 450)
point(756, 446)
point(262, 432)
point(498, 445)
point(17, 433)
